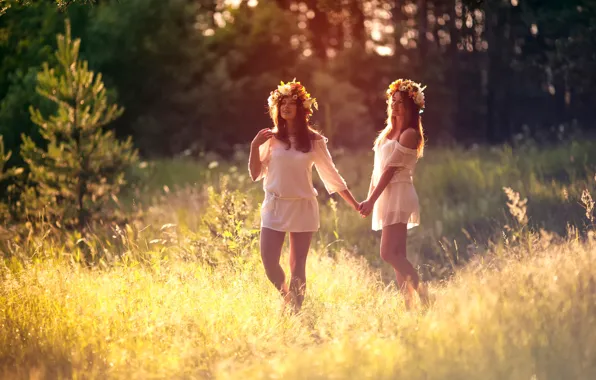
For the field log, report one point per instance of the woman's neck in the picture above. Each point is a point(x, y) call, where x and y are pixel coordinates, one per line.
point(396, 127)
point(398, 124)
point(291, 125)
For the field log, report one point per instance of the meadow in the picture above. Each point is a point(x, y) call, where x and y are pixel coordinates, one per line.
point(179, 292)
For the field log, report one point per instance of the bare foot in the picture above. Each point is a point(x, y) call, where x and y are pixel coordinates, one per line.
point(289, 301)
point(408, 293)
point(423, 294)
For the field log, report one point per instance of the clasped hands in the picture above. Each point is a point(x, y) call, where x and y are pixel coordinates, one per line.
point(365, 207)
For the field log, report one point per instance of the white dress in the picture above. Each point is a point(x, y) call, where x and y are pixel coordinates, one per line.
point(290, 203)
point(398, 203)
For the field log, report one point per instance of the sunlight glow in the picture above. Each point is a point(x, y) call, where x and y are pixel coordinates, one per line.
point(379, 28)
point(375, 35)
point(236, 3)
point(384, 50)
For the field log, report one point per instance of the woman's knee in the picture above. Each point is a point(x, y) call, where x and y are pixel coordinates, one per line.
point(389, 253)
point(386, 256)
point(397, 259)
point(270, 263)
point(274, 272)
point(298, 269)
point(402, 261)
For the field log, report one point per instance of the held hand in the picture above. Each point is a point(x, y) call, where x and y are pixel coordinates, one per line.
point(263, 135)
point(366, 208)
point(357, 206)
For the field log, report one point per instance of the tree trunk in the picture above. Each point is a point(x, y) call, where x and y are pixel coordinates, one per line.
point(283, 4)
point(491, 69)
point(81, 180)
point(422, 30)
point(398, 18)
point(357, 22)
point(454, 61)
point(319, 27)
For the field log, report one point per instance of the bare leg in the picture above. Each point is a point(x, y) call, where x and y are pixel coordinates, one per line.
point(393, 251)
point(271, 244)
point(406, 290)
point(299, 246)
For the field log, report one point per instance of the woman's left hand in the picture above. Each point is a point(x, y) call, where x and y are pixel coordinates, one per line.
point(366, 208)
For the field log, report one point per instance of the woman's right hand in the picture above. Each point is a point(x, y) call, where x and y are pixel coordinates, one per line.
point(366, 207)
point(261, 137)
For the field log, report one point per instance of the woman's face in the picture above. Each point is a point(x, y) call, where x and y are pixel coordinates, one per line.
point(287, 108)
point(398, 106)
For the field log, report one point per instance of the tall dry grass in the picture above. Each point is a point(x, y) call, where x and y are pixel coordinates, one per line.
point(181, 293)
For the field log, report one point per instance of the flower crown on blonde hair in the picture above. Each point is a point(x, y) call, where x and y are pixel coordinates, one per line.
point(414, 90)
point(296, 91)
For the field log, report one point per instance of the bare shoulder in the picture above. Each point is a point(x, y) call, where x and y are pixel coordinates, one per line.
point(409, 138)
point(316, 136)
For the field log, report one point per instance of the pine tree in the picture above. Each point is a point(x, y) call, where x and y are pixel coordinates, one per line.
point(83, 165)
point(4, 157)
point(6, 174)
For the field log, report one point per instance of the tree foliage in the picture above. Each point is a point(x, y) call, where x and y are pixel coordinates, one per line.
point(195, 75)
point(82, 167)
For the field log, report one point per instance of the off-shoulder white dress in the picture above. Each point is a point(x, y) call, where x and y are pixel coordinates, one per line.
point(290, 203)
point(398, 203)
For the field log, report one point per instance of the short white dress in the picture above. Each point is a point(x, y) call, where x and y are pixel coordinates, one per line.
point(290, 203)
point(398, 203)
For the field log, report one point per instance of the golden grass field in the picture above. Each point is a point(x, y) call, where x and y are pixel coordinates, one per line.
point(180, 292)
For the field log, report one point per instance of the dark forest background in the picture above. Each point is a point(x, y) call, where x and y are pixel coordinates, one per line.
point(194, 75)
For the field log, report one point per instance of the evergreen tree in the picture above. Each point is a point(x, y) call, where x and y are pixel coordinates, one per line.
point(83, 165)
point(4, 175)
point(4, 157)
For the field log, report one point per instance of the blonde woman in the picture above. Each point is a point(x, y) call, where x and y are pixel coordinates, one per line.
point(284, 157)
point(392, 197)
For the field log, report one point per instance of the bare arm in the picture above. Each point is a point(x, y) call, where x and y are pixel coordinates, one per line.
point(408, 139)
point(371, 188)
point(329, 175)
point(254, 160)
point(383, 182)
point(348, 197)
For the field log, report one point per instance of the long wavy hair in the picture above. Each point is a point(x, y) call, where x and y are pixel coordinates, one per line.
point(413, 120)
point(305, 133)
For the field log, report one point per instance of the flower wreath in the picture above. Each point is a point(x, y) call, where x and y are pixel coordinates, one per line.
point(296, 91)
point(414, 90)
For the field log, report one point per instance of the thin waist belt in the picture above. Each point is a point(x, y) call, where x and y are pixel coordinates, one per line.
point(398, 180)
point(403, 180)
point(402, 177)
point(273, 198)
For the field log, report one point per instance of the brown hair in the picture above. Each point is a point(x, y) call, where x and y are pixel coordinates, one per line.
point(304, 132)
point(414, 121)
